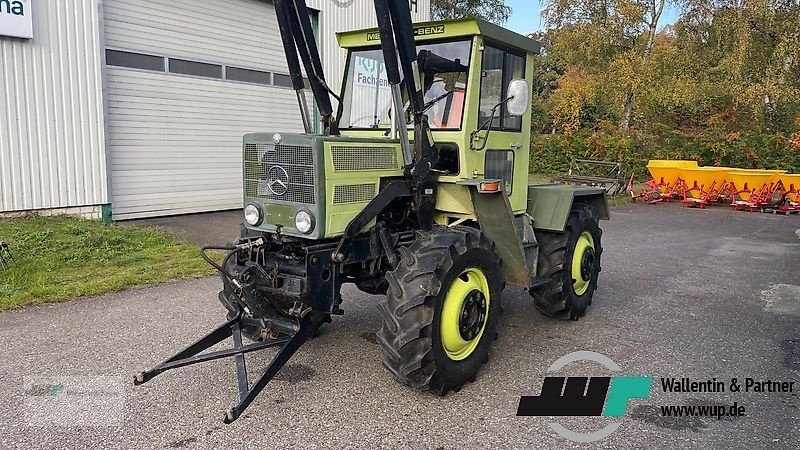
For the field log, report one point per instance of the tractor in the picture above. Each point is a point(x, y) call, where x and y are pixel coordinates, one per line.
point(414, 189)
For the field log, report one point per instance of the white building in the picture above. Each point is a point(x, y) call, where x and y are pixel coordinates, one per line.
point(139, 106)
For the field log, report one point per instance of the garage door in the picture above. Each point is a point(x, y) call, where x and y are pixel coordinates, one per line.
point(185, 80)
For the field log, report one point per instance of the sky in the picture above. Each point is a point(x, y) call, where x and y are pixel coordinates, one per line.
point(526, 16)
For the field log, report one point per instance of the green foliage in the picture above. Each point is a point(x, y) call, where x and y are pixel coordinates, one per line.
point(722, 85)
point(60, 258)
point(495, 11)
point(722, 56)
point(608, 42)
point(714, 147)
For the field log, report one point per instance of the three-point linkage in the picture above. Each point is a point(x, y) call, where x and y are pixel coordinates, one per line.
point(302, 329)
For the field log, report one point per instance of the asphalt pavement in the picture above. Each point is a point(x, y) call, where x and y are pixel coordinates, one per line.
point(214, 228)
point(683, 293)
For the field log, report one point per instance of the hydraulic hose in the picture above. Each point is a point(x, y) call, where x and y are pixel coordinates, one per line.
point(231, 251)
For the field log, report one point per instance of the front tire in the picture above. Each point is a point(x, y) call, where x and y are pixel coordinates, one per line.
point(440, 311)
point(571, 262)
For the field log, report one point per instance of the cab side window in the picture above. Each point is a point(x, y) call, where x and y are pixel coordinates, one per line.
point(491, 85)
point(499, 67)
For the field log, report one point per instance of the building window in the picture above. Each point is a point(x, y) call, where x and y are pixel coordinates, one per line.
point(134, 60)
point(195, 68)
point(283, 80)
point(198, 69)
point(499, 68)
point(247, 75)
point(280, 79)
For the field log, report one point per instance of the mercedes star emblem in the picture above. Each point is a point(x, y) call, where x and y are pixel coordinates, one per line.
point(277, 180)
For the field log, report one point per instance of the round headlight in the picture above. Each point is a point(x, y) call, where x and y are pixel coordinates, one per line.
point(252, 215)
point(304, 222)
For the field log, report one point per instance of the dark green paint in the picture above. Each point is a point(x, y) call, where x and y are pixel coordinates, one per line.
point(550, 204)
point(496, 221)
point(105, 211)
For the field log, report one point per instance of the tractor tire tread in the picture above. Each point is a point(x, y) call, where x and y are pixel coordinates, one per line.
point(408, 308)
point(556, 298)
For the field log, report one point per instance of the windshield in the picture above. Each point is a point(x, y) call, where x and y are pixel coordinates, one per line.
point(368, 98)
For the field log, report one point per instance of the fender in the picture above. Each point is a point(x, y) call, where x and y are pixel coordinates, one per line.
point(550, 204)
point(497, 222)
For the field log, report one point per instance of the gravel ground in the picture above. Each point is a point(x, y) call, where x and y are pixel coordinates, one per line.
point(683, 293)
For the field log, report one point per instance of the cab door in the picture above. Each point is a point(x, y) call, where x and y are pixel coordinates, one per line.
point(505, 141)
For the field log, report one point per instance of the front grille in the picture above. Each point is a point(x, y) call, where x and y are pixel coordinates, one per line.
point(267, 167)
point(353, 193)
point(347, 159)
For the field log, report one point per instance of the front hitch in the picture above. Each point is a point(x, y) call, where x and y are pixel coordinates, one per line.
point(285, 305)
point(303, 330)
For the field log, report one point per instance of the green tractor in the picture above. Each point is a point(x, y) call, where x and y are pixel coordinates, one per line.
point(415, 189)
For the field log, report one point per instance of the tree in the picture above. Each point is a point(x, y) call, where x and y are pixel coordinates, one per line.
point(758, 53)
point(617, 34)
point(652, 14)
point(495, 11)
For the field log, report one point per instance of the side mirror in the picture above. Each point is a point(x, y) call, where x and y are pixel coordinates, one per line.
point(520, 97)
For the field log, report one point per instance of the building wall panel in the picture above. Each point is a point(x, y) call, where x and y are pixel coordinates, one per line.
point(236, 32)
point(51, 111)
point(176, 142)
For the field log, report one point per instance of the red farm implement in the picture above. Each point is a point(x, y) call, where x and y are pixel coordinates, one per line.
point(704, 186)
point(666, 183)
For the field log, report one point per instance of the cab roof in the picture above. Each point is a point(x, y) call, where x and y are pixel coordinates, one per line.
point(446, 29)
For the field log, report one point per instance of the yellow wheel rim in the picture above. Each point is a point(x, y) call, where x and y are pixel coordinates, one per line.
point(583, 263)
point(464, 314)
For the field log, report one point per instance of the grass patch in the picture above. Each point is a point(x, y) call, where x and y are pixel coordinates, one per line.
point(59, 258)
point(621, 199)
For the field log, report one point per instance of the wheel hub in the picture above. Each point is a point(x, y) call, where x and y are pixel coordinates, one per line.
point(587, 264)
point(473, 315)
point(465, 312)
point(583, 257)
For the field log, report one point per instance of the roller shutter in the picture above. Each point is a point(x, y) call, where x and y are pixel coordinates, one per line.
point(185, 79)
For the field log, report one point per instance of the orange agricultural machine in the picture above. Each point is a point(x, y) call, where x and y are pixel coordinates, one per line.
point(666, 183)
point(752, 189)
point(768, 190)
point(787, 192)
point(704, 185)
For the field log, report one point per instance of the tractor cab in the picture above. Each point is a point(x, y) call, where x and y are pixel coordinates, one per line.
point(474, 78)
point(476, 98)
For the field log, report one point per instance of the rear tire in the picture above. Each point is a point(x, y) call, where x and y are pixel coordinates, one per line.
point(564, 296)
point(440, 311)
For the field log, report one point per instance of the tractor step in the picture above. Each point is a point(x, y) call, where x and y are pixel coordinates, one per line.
point(193, 354)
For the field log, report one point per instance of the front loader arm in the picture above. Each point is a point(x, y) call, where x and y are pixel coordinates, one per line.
point(297, 35)
point(397, 41)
